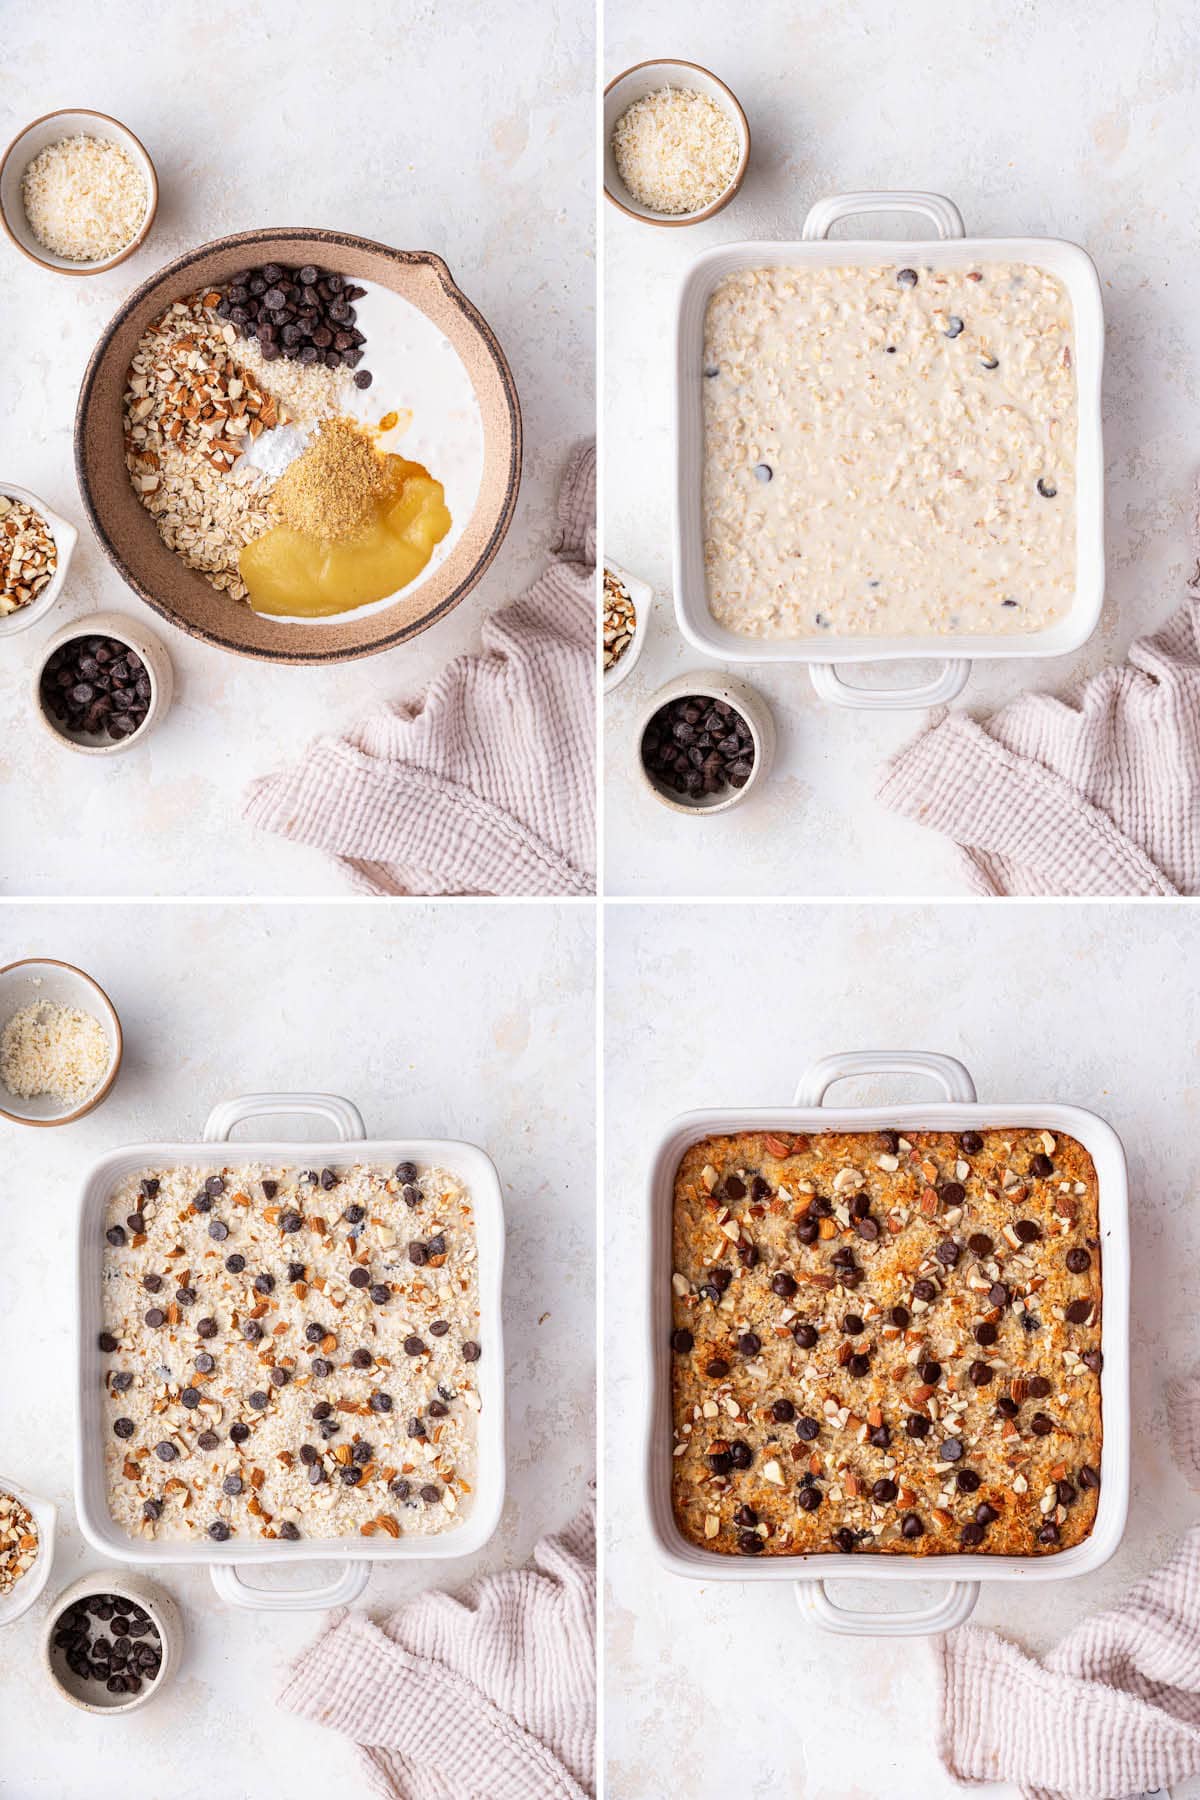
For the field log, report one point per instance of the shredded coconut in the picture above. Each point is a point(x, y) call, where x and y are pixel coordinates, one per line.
point(85, 198)
point(676, 150)
point(56, 1050)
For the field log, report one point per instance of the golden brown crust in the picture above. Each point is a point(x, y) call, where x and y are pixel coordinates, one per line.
point(744, 1207)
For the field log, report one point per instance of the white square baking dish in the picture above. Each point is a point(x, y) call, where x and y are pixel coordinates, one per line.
point(356, 1554)
point(950, 249)
point(959, 1110)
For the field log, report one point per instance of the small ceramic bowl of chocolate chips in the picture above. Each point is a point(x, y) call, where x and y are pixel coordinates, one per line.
point(101, 683)
point(111, 1640)
point(704, 742)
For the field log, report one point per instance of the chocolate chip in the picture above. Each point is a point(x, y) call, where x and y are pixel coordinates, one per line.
point(1040, 1425)
point(930, 1372)
point(218, 1230)
point(252, 1331)
point(808, 1231)
point(1065, 1492)
point(924, 1290)
point(232, 1484)
point(900, 1317)
point(749, 1344)
point(328, 1179)
point(152, 1283)
point(185, 1295)
point(783, 1284)
point(121, 1382)
point(238, 1433)
point(916, 1425)
point(911, 1526)
point(115, 1235)
point(783, 1412)
point(151, 1509)
point(235, 1263)
point(1049, 1533)
point(280, 1376)
point(805, 1335)
point(907, 278)
point(971, 1536)
point(867, 1229)
point(190, 1397)
point(1093, 1360)
point(884, 1490)
point(381, 1294)
point(430, 1494)
point(1007, 1407)
point(980, 1373)
point(1039, 1386)
point(155, 1317)
point(852, 1325)
point(206, 1328)
point(809, 1498)
point(808, 1429)
point(858, 1365)
point(124, 1428)
point(1089, 1477)
point(322, 1409)
point(289, 1531)
point(150, 1186)
point(208, 1440)
point(165, 1451)
point(1079, 1312)
point(414, 1346)
point(219, 1531)
point(1028, 1231)
point(471, 1351)
point(980, 1244)
point(136, 1223)
point(681, 1342)
point(985, 1333)
point(951, 1450)
point(890, 1141)
point(321, 1366)
point(270, 1189)
point(970, 1143)
point(361, 1454)
point(290, 1222)
point(259, 1400)
point(107, 1341)
point(967, 1481)
point(202, 1202)
point(1078, 1261)
point(359, 1278)
point(998, 1296)
point(953, 1193)
point(948, 1252)
point(741, 1453)
point(1041, 1166)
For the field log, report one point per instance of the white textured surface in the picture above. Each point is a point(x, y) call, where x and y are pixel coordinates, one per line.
point(471, 1021)
point(721, 1689)
point(1034, 120)
point(455, 129)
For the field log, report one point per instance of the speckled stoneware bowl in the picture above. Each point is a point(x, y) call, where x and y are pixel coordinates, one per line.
point(128, 534)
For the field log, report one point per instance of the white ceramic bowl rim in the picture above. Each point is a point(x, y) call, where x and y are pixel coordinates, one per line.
point(623, 200)
point(17, 1602)
point(115, 1036)
point(65, 539)
point(641, 593)
point(118, 133)
point(707, 685)
point(154, 1601)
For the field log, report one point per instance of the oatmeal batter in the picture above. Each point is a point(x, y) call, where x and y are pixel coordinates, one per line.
point(290, 1353)
point(889, 451)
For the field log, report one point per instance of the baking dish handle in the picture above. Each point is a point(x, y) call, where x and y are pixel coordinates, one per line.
point(346, 1587)
point(942, 214)
point(952, 1609)
point(945, 686)
point(952, 1077)
point(343, 1115)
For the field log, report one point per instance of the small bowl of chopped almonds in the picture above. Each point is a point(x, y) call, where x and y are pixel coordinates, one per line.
point(627, 603)
point(26, 1548)
point(676, 143)
point(78, 192)
point(60, 1042)
point(35, 553)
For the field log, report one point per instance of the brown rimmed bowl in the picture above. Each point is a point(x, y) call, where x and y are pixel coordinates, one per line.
point(44, 978)
point(128, 535)
point(647, 78)
point(50, 129)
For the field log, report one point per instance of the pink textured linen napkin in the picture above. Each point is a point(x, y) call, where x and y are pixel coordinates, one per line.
point(1115, 1708)
point(1096, 793)
point(486, 783)
point(487, 1695)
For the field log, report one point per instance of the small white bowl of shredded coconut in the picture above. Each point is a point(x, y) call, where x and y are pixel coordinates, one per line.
point(78, 192)
point(60, 1042)
point(676, 143)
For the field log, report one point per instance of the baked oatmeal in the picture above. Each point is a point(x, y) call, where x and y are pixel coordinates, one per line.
point(886, 1342)
point(290, 1353)
point(889, 451)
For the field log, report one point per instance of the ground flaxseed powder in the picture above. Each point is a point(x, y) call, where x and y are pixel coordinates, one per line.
point(327, 492)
